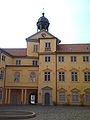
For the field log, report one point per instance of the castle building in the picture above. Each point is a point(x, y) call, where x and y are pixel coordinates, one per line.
point(46, 72)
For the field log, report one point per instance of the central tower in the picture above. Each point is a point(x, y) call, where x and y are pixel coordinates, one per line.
point(43, 23)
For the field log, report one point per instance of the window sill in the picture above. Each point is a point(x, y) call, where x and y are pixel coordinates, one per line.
point(86, 82)
point(74, 81)
point(47, 49)
point(46, 81)
point(61, 81)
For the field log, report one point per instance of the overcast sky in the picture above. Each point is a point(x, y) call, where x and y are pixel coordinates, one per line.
point(69, 20)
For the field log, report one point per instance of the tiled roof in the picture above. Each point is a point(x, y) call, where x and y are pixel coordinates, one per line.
point(73, 48)
point(61, 48)
point(16, 51)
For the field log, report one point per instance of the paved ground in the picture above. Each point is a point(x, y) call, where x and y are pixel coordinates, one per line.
point(53, 112)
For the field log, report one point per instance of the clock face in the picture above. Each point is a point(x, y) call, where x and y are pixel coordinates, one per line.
point(43, 35)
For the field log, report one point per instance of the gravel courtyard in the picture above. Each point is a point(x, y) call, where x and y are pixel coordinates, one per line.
point(53, 112)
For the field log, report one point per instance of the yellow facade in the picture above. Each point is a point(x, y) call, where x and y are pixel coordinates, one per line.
point(46, 72)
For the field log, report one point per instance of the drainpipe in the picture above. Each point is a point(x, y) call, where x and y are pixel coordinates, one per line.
point(4, 94)
point(56, 77)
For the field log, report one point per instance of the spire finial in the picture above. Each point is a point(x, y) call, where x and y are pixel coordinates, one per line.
point(43, 12)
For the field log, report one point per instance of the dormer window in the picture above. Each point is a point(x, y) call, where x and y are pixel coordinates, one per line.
point(47, 46)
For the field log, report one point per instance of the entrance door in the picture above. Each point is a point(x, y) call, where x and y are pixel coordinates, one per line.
point(47, 99)
point(14, 99)
point(32, 98)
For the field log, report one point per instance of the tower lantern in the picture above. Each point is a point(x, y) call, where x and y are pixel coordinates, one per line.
point(43, 23)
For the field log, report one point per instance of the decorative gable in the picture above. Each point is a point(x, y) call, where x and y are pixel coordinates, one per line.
point(40, 35)
point(47, 88)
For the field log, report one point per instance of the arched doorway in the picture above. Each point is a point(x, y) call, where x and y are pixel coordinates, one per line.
point(47, 99)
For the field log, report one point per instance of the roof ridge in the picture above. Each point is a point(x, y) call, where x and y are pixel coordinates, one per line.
point(13, 48)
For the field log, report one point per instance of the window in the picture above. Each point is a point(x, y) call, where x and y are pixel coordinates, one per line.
point(87, 76)
point(74, 76)
point(18, 62)
point(61, 76)
point(32, 77)
point(62, 96)
point(88, 48)
point(87, 97)
point(47, 46)
point(1, 75)
point(35, 48)
point(73, 58)
point(0, 57)
point(34, 62)
point(3, 58)
point(47, 76)
point(85, 58)
point(0, 94)
point(16, 76)
point(75, 97)
point(47, 58)
point(61, 58)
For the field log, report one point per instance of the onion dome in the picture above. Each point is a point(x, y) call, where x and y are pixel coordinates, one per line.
point(43, 23)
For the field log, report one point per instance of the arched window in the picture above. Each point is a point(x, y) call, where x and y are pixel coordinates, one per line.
point(75, 96)
point(1, 75)
point(32, 77)
point(62, 96)
point(87, 97)
point(16, 76)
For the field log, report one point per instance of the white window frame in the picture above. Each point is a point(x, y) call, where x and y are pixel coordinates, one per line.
point(47, 45)
point(75, 97)
point(34, 62)
point(47, 58)
point(61, 58)
point(61, 76)
point(73, 59)
point(35, 48)
point(18, 62)
point(74, 76)
point(87, 76)
point(85, 58)
point(62, 96)
point(47, 76)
